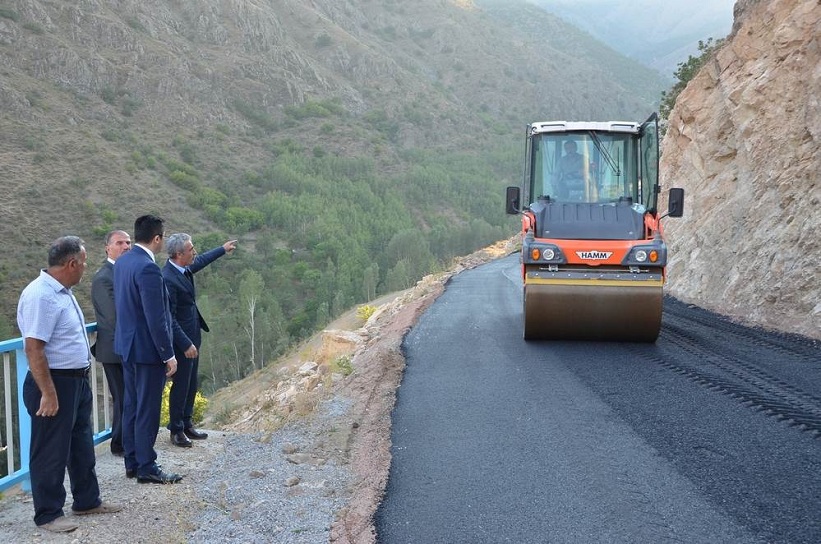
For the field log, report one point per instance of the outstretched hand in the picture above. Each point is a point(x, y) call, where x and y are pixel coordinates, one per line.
point(230, 246)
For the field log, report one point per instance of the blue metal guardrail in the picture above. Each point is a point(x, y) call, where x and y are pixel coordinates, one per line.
point(17, 470)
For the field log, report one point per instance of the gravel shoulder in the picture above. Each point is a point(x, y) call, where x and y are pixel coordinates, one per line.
point(297, 452)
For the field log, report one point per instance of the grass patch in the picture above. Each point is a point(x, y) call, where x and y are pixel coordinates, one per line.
point(224, 415)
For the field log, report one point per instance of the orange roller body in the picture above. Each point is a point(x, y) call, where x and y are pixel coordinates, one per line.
point(593, 253)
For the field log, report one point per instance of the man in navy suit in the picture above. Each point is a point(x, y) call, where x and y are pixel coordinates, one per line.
point(117, 242)
point(143, 339)
point(178, 273)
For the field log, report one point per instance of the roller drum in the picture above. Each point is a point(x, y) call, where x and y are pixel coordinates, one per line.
point(625, 313)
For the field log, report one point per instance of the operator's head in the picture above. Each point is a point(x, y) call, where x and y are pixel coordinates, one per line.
point(570, 146)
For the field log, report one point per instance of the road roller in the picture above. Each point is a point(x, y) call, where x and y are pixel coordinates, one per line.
point(593, 254)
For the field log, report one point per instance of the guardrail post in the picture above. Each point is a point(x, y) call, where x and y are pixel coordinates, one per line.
point(24, 419)
point(23, 431)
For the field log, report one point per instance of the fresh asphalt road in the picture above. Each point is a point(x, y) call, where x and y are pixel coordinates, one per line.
point(708, 436)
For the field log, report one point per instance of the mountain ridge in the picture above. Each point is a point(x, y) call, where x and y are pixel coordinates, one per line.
point(351, 146)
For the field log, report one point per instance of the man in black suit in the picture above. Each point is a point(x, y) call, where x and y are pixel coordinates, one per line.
point(178, 272)
point(143, 339)
point(117, 242)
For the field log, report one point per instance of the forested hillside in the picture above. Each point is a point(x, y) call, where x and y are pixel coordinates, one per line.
point(350, 145)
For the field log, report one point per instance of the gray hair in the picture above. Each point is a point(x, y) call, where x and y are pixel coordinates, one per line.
point(175, 243)
point(64, 249)
point(111, 234)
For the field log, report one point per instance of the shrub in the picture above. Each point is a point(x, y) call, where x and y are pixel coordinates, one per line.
point(224, 415)
point(365, 312)
point(129, 106)
point(110, 135)
point(109, 95)
point(184, 180)
point(323, 40)
point(343, 365)
point(135, 24)
point(310, 108)
point(255, 115)
point(80, 183)
point(9, 14)
point(200, 405)
point(34, 28)
point(685, 72)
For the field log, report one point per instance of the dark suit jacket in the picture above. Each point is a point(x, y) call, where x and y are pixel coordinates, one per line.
point(143, 333)
point(188, 322)
point(102, 296)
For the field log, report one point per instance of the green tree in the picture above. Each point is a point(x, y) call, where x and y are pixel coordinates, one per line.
point(370, 281)
point(687, 71)
point(400, 276)
point(251, 286)
point(411, 247)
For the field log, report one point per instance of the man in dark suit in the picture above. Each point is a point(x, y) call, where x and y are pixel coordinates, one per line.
point(143, 339)
point(178, 272)
point(117, 242)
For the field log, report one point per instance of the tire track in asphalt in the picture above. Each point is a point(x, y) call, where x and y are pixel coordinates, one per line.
point(742, 374)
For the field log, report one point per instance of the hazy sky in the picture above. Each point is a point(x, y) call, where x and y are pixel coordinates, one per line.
point(660, 33)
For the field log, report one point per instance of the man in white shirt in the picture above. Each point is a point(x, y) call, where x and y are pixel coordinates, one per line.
point(56, 390)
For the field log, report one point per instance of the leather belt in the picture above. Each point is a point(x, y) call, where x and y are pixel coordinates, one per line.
point(70, 372)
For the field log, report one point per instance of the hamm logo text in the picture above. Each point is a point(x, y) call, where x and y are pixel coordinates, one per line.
point(594, 255)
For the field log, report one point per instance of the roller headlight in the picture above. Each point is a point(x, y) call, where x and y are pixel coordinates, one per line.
point(542, 253)
point(647, 255)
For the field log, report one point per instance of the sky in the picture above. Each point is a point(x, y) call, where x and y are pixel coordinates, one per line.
point(659, 33)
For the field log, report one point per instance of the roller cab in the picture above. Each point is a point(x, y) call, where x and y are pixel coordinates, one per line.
point(593, 254)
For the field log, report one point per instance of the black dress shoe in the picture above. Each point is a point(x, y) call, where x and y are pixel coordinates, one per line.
point(194, 434)
point(130, 473)
point(159, 478)
point(179, 439)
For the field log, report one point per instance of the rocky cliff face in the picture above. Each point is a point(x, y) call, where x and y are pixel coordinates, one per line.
point(743, 140)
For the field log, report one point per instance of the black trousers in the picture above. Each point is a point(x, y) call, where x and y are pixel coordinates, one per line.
point(141, 415)
point(116, 385)
point(182, 394)
point(64, 441)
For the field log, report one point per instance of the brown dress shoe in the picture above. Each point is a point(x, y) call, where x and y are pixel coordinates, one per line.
point(179, 439)
point(194, 434)
point(60, 525)
point(102, 508)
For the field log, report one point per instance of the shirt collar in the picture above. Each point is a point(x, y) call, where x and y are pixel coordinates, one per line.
point(150, 253)
point(52, 282)
point(109, 259)
point(178, 267)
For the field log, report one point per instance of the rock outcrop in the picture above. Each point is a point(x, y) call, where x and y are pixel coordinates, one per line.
point(743, 140)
